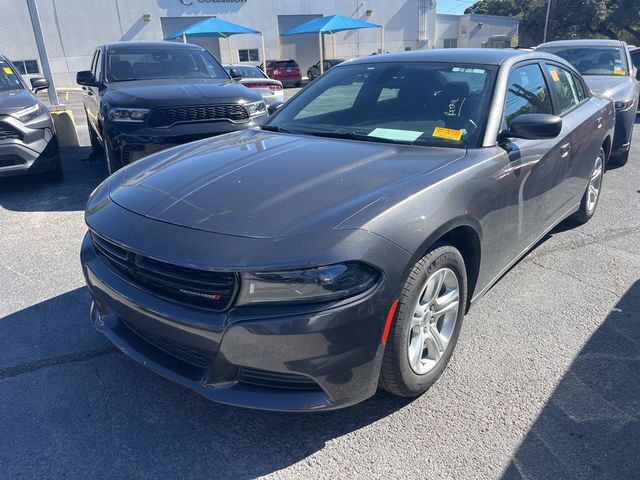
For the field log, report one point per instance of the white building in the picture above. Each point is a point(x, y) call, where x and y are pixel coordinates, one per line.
point(73, 28)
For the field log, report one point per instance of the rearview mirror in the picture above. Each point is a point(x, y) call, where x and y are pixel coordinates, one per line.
point(39, 83)
point(534, 126)
point(85, 77)
point(235, 74)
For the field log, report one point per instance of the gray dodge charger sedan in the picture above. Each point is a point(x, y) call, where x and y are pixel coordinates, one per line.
point(608, 70)
point(336, 249)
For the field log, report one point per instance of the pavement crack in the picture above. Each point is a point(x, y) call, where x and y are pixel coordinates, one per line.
point(575, 277)
point(17, 370)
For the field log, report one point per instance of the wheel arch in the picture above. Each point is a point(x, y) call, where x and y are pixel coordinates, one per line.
point(606, 146)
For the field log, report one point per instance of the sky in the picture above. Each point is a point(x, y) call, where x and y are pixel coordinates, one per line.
point(453, 6)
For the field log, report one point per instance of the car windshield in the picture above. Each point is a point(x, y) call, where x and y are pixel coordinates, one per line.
point(145, 64)
point(246, 72)
point(9, 77)
point(593, 60)
point(431, 104)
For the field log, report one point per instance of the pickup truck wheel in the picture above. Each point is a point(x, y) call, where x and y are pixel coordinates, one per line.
point(427, 325)
point(591, 195)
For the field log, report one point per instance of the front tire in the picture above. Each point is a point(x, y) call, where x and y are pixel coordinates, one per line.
point(113, 163)
point(427, 325)
point(591, 195)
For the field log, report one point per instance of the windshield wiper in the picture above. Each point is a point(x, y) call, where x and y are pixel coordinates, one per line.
point(358, 136)
point(274, 128)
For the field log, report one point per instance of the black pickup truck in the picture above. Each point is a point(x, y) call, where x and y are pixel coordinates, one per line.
point(142, 97)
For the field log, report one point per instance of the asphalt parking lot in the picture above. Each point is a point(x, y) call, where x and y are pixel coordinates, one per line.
point(544, 384)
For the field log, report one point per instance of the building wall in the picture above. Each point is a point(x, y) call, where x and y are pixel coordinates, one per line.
point(73, 28)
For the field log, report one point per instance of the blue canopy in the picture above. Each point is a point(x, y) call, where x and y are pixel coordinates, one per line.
point(330, 24)
point(213, 27)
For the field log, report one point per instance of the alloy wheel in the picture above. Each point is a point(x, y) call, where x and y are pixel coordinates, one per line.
point(595, 183)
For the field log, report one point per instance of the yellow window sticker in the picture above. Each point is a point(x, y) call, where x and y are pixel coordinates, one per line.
point(554, 75)
point(617, 71)
point(448, 133)
point(7, 70)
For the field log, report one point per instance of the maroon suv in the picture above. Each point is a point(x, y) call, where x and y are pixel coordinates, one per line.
point(285, 70)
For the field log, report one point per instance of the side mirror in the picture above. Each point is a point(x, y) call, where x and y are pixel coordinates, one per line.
point(273, 107)
point(39, 83)
point(534, 126)
point(235, 74)
point(85, 77)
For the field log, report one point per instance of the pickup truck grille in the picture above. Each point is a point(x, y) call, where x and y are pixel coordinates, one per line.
point(189, 286)
point(168, 116)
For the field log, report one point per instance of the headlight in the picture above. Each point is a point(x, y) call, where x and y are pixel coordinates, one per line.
point(256, 109)
point(319, 284)
point(128, 114)
point(624, 104)
point(27, 114)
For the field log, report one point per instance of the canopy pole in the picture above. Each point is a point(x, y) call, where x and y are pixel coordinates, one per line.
point(321, 56)
point(333, 44)
point(231, 59)
point(184, 37)
point(381, 39)
point(264, 54)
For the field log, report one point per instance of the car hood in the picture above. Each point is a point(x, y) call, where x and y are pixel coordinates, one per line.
point(612, 86)
point(174, 92)
point(12, 100)
point(263, 184)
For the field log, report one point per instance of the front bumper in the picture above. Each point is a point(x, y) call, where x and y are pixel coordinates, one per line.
point(131, 141)
point(625, 120)
point(306, 357)
point(28, 148)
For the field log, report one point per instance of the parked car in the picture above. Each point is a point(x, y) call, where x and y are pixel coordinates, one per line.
point(337, 248)
point(141, 97)
point(313, 71)
point(285, 70)
point(251, 77)
point(607, 68)
point(28, 141)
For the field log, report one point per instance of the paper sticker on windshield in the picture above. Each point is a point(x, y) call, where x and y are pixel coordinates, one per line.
point(7, 70)
point(447, 133)
point(393, 134)
point(617, 71)
point(554, 75)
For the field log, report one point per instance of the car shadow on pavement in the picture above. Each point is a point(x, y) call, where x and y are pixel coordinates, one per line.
point(33, 193)
point(590, 427)
point(73, 406)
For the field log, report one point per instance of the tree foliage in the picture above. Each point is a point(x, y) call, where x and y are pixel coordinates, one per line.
point(617, 19)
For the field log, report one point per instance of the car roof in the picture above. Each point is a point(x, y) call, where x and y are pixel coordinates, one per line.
point(480, 56)
point(151, 44)
point(243, 65)
point(583, 43)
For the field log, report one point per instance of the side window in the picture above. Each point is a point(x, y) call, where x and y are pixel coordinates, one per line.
point(527, 92)
point(564, 85)
point(582, 94)
point(97, 68)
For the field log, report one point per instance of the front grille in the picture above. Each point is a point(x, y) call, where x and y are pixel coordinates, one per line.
point(188, 286)
point(264, 379)
point(168, 116)
point(7, 132)
point(186, 354)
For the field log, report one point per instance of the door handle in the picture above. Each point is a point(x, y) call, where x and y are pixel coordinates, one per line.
point(599, 122)
point(564, 150)
point(90, 93)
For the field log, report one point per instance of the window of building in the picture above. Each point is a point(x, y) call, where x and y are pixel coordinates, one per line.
point(527, 92)
point(463, 30)
point(26, 66)
point(407, 49)
point(450, 43)
point(249, 55)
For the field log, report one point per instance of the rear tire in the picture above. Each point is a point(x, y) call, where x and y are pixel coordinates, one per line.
point(298, 83)
point(427, 324)
point(591, 196)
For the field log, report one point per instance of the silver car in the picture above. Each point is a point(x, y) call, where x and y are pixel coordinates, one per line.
point(608, 70)
point(271, 90)
point(28, 142)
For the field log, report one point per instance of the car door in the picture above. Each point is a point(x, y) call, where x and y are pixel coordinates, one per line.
point(92, 94)
point(581, 120)
point(535, 167)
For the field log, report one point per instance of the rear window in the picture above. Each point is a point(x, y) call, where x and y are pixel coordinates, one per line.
point(286, 64)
